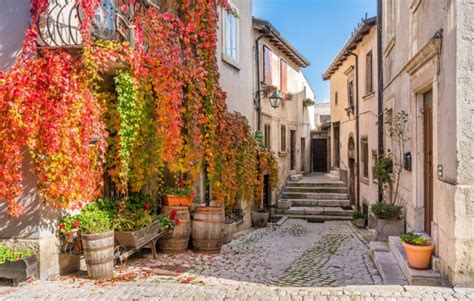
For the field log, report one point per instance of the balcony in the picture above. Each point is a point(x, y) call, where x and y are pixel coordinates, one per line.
point(113, 20)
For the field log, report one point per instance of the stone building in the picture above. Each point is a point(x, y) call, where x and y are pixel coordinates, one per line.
point(321, 138)
point(286, 129)
point(354, 107)
point(428, 73)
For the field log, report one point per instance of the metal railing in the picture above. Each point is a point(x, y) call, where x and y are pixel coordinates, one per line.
point(60, 25)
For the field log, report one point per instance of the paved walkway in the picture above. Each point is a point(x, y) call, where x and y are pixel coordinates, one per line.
point(284, 263)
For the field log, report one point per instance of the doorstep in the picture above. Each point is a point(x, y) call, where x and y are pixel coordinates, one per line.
point(415, 277)
point(386, 264)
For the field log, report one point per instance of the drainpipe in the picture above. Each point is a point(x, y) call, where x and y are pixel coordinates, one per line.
point(357, 127)
point(258, 105)
point(380, 90)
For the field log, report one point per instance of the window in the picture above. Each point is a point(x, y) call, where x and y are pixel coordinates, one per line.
point(283, 138)
point(336, 98)
point(369, 87)
point(267, 135)
point(267, 65)
point(350, 93)
point(231, 36)
point(374, 163)
point(364, 145)
point(283, 76)
point(389, 22)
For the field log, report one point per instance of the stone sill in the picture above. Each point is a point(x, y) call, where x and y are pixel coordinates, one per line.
point(231, 62)
point(282, 154)
point(368, 95)
point(364, 180)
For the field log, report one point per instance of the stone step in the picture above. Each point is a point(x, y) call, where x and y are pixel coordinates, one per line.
point(318, 185)
point(415, 277)
point(334, 211)
point(388, 268)
point(319, 203)
point(316, 189)
point(316, 218)
point(315, 196)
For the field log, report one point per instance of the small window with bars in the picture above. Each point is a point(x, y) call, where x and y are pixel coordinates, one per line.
point(283, 138)
point(267, 135)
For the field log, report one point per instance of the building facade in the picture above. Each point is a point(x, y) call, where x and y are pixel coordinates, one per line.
point(286, 129)
point(428, 73)
point(354, 107)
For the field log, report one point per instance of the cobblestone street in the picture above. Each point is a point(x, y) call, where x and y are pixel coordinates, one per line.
point(256, 265)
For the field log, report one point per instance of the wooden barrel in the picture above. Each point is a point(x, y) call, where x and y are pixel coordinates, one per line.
point(99, 254)
point(208, 229)
point(177, 241)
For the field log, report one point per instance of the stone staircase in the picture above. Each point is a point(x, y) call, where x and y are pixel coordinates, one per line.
point(315, 199)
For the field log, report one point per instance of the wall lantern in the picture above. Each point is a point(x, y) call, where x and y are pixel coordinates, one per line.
point(275, 99)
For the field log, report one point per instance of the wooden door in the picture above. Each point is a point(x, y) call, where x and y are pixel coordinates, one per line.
point(428, 158)
point(319, 149)
point(352, 175)
point(336, 145)
point(303, 154)
point(292, 150)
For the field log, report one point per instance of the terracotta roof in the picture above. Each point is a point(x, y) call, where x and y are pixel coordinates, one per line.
point(280, 42)
point(350, 45)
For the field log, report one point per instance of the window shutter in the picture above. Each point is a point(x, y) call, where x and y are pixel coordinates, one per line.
point(267, 65)
point(284, 76)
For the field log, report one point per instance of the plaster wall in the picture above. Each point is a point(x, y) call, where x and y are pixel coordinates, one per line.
point(237, 78)
point(450, 76)
point(291, 113)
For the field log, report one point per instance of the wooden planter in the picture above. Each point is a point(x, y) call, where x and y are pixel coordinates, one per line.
point(178, 201)
point(99, 254)
point(19, 270)
point(135, 239)
point(178, 239)
point(208, 229)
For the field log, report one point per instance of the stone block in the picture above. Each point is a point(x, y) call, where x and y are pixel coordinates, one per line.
point(68, 263)
point(284, 204)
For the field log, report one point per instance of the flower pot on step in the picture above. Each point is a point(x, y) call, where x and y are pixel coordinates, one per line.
point(260, 219)
point(178, 201)
point(359, 222)
point(419, 257)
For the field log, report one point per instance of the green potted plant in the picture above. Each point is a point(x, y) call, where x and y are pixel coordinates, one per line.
point(418, 250)
point(309, 102)
point(98, 241)
point(69, 230)
point(358, 219)
point(17, 264)
point(133, 229)
point(181, 195)
point(388, 170)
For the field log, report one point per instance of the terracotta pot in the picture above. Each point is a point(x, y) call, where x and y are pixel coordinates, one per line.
point(178, 201)
point(419, 257)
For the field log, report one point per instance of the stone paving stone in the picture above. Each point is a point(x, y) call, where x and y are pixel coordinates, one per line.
point(302, 259)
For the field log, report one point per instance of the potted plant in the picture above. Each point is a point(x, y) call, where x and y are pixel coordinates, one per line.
point(260, 217)
point(358, 219)
point(69, 229)
point(17, 264)
point(133, 229)
point(98, 241)
point(308, 102)
point(418, 250)
point(181, 195)
point(388, 171)
point(289, 96)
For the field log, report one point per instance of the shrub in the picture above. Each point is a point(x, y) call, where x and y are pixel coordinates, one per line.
point(8, 254)
point(94, 220)
point(414, 239)
point(166, 221)
point(384, 168)
point(386, 211)
point(357, 215)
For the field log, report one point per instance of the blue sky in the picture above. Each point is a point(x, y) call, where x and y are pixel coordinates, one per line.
point(318, 28)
